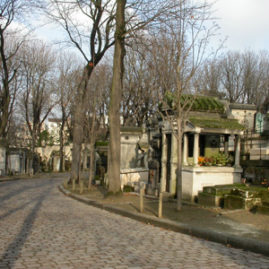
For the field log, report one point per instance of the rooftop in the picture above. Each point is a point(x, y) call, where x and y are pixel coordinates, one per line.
point(197, 102)
point(242, 106)
point(230, 124)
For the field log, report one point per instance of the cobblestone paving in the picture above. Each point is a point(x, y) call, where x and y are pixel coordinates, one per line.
point(41, 228)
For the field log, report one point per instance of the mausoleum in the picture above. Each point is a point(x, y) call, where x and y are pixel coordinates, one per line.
point(207, 158)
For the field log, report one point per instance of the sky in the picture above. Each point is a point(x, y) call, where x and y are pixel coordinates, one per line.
point(245, 23)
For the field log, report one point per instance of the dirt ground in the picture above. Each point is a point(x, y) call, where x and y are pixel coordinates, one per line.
point(238, 222)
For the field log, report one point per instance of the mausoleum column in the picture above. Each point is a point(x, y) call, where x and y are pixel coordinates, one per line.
point(164, 161)
point(185, 149)
point(226, 144)
point(237, 152)
point(196, 149)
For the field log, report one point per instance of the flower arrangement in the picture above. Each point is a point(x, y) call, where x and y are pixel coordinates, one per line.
point(220, 159)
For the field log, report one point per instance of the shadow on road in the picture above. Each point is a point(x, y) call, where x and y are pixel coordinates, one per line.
point(11, 194)
point(12, 252)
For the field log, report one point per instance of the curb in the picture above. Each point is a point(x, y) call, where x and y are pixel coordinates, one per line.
point(24, 177)
point(249, 244)
point(13, 179)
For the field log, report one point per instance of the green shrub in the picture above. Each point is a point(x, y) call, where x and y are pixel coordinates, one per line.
point(221, 159)
point(215, 160)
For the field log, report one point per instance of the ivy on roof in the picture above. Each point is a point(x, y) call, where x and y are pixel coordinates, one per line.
point(230, 124)
point(131, 129)
point(198, 102)
point(101, 143)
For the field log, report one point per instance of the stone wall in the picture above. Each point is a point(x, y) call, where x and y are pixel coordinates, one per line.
point(245, 117)
point(46, 155)
point(134, 151)
point(129, 150)
point(133, 176)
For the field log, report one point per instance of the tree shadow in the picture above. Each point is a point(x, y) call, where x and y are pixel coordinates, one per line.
point(10, 212)
point(19, 190)
point(146, 208)
point(12, 252)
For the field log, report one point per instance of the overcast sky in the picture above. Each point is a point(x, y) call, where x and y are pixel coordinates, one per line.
point(245, 23)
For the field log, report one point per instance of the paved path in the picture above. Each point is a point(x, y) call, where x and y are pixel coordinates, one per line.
point(41, 228)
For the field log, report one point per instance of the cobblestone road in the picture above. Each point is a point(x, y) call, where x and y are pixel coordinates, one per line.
point(41, 228)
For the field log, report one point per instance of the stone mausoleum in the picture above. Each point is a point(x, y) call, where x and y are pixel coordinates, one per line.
point(208, 158)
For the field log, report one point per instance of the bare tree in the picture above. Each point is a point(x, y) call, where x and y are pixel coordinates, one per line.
point(263, 95)
point(242, 76)
point(139, 96)
point(115, 97)
point(256, 66)
point(232, 78)
point(208, 78)
point(100, 83)
point(9, 66)
point(92, 36)
point(140, 15)
point(11, 40)
point(186, 38)
point(69, 75)
point(37, 97)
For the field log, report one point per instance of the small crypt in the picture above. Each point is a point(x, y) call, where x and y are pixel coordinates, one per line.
point(210, 152)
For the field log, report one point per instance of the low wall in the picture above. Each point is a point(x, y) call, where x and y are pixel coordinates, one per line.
point(131, 176)
point(195, 178)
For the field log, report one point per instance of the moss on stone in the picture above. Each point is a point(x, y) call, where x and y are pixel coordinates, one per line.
point(197, 103)
point(130, 129)
point(209, 200)
point(101, 143)
point(230, 124)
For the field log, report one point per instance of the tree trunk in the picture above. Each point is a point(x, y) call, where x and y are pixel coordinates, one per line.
point(79, 115)
point(92, 161)
point(33, 146)
point(179, 164)
point(77, 143)
point(62, 146)
point(5, 95)
point(92, 142)
point(115, 98)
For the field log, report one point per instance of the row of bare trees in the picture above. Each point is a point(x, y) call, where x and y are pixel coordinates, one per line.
point(239, 77)
point(101, 25)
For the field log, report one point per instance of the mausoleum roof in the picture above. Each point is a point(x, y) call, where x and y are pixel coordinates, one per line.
point(197, 102)
point(214, 123)
point(242, 106)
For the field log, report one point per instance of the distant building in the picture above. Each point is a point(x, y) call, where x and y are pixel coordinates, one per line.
point(245, 114)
